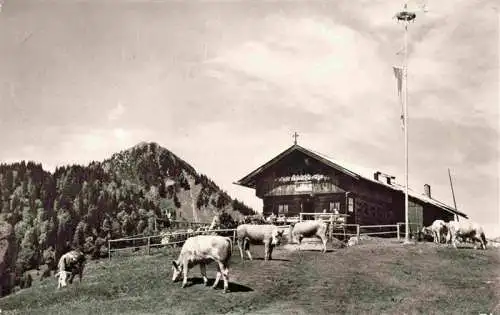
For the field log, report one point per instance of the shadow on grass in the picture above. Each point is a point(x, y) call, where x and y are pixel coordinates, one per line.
point(317, 250)
point(274, 259)
point(233, 287)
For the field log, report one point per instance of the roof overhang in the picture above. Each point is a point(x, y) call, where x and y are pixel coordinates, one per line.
point(251, 179)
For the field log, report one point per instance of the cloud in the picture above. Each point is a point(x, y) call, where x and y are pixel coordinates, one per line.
point(98, 144)
point(307, 58)
point(116, 112)
point(79, 145)
point(225, 86)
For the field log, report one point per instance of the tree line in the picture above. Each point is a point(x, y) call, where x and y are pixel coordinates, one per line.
point(84, 206)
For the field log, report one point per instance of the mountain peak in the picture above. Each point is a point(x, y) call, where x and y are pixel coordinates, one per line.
point(144, 144)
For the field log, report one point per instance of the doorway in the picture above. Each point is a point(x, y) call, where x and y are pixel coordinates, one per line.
point(308, 205)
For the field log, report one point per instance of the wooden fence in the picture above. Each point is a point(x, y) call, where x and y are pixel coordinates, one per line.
point(414, 229)
point(186, 224)
point(341, 231)
point(387, 230)
point(382, 230)
point(339, 227)
point(154, 241)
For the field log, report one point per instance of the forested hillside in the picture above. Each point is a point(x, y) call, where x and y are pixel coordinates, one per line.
point(83, 206)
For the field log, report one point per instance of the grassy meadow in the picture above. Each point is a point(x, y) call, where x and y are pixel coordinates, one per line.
point(384, 278)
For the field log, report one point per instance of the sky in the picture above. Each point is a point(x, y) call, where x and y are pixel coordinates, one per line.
point(224, 84)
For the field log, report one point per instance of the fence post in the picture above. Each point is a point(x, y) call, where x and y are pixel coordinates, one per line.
point(149, 245)
point(357, 232)
point(399, 237)
point(234, 236)
point(109, 250)
point(331, 227)
point(290, 237)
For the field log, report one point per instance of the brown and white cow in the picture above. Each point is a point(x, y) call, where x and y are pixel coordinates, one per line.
point(267, 234)
point(312, 228)
point(70, 264)
point(465, 230)
point(202, 250)
point(438, 230)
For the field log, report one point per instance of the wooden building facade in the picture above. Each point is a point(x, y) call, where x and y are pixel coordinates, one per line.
point(300, 180)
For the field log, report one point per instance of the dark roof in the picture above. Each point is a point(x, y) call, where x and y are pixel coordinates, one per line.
point(348, 169)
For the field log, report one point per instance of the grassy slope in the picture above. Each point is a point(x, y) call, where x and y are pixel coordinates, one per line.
point(371, 279)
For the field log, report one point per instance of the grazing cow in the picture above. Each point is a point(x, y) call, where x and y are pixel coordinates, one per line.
point(257, 234)
point(312, 228)
point(70, 264)
point(201, 250)
point(438, 230)
point(465, 230)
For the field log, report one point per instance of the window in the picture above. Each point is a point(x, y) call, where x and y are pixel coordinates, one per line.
point(350, 205)
point(282, 209)
point(334, 206)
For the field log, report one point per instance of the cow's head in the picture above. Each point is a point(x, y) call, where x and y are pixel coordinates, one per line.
point(276, 237)
point(62, 277)
point(176, 271)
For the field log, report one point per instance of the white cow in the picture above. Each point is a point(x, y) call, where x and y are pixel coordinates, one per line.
point(464, 230)
point(70, 264)
point(313, 228)
point(268, 234)
point(202, 250)
point(438, 230)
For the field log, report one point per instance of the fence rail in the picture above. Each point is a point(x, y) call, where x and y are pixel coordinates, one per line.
point(347, 230)
point(148, 244)
point(382, 229)
point(413, 231)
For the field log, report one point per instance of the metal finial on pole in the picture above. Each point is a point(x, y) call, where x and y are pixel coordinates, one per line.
point(295, 136)
point(406, 17)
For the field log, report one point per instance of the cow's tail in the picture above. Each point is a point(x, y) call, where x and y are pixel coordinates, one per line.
point(483, 237)
point(448, 236)
point(230, 245)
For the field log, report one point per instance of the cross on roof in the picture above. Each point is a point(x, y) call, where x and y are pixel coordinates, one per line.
point(295, 136)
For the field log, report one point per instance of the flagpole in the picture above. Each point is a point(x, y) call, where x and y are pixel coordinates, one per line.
point(406, 17)
point(453, 194)
point(405, 82)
